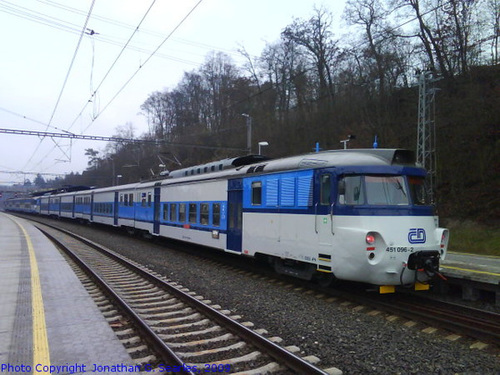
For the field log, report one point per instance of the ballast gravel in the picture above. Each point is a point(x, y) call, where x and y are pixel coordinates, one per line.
point(353, 341)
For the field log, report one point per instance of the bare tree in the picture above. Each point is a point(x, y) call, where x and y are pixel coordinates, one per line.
point(220, 76)
point(371, 16)
point(315, 36)
point(158, 108)
point(284, 68)
point(492, 25)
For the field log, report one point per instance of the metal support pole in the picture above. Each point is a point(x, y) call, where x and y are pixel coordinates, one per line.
point(426, 130)
point(249, 132)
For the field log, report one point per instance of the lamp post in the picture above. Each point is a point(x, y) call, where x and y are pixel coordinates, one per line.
point(262, 144)
point(249, 131)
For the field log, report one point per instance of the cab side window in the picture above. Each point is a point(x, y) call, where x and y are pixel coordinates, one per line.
point(351, 190)
point(257, 193)
point(325, 189)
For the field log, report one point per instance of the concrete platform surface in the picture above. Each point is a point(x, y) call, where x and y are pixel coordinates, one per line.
point(479, 268)
point(48, 322)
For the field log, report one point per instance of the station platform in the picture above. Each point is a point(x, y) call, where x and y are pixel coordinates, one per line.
point(48, 322)
point(480, 268)
point(476, 276)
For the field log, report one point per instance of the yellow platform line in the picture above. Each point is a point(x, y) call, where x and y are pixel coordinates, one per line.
point(41, 352)
point(474, 255)
point(469, 270)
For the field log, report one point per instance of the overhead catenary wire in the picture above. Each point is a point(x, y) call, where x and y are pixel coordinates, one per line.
point(34, 16)
point(135, 73)
point(84, 28)
point(131, 27)
point(145, 62)
point(64, 25)
point(84, 31)
point(94, 93)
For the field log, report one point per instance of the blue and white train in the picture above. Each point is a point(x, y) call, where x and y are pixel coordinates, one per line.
point(359, 215)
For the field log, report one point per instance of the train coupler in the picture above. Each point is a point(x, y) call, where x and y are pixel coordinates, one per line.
point(426, 261)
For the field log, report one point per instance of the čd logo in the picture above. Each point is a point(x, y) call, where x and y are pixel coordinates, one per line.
point(416, 235)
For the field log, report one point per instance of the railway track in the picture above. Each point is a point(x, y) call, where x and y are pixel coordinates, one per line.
point(459, 319)
point(181, 329)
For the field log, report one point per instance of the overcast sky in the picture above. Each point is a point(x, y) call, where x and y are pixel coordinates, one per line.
point(40, 39)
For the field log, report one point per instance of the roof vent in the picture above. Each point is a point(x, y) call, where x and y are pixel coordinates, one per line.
point(260, 168)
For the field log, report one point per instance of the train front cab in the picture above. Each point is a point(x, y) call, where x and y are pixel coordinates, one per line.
point(383, 225)
point(365, 224)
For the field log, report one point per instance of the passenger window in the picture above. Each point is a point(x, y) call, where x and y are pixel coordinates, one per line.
point(165, 212)
point(325, 189)
point(149, 199)
point(192, 213)
point(131, 199)
point(257, 193)
point(173, 212)
point(182, 212)
point(204, 210)
point(239, 211)
point(216, 214)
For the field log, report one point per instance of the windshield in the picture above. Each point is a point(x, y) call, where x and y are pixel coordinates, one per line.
point(373, 190)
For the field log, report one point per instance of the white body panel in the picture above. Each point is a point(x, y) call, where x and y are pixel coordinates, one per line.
point(103, 197)
point(212, 190)
point(83, 215)
point(195, 192)
point(204, 238)
point(305, 237)
point(68, 199)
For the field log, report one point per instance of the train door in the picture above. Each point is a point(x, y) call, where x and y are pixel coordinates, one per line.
point(324, 209)
point(92, 206)
point(157, 207)
point(115, 210)
point(235, 214)
point(73, 207)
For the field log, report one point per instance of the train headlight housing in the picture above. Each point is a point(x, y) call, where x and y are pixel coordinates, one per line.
point(370, 238)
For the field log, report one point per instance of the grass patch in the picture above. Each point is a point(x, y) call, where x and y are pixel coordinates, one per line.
point(474, 238)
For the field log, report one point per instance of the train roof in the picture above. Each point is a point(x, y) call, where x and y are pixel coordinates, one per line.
point(257, 164)
point(331, 158)
point(217, 166)
point(340, 158)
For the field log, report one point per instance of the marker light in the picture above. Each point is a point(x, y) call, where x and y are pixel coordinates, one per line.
point(370, 239)
point(444, 239)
